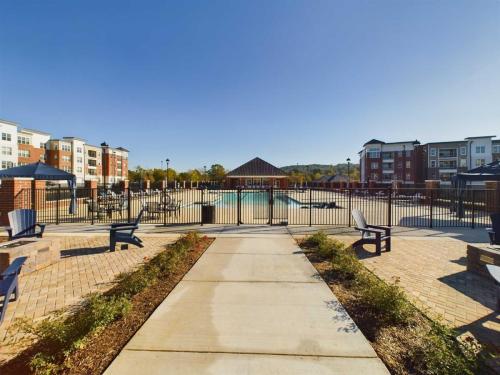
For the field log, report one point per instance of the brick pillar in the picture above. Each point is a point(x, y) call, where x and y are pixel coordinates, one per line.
point(38, 194)
point(124, 184)
point(146, 184)
point(163, 184)
point(342, 184)
point(372, 184)
point(92, 186)
point(492, 196)
point(431, 187)
point(14, 193)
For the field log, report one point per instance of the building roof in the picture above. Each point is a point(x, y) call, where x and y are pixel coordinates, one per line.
point(376, 141)
point(257, 167)
point(331, 178)
point(9, 122)
point(32, 131)
point(482, 136)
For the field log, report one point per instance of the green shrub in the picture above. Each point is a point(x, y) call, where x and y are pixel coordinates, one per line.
point(315, 240)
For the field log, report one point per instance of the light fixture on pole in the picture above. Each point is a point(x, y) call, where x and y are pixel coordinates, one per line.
point(348, 172)
point(166, 177)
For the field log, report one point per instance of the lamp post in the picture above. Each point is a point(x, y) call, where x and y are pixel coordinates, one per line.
point(205, 174)
point(166, 177)
point(348, 172)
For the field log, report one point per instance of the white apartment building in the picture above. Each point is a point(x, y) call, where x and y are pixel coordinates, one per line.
point(8, 144)
point(480, 150)
point(77, 157)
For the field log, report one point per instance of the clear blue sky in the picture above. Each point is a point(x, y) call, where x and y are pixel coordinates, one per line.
point(205, 82)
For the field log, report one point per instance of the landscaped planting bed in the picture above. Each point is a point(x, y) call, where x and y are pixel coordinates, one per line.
point(404, 338)
point(86, 339)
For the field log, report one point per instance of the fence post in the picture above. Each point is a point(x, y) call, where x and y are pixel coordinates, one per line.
point(201, 206)
point(431, 207)
point(129, 205)
point(389, 208)
point(349, 206)
point(271, 205)
point(310, 207)
point(238, 206)
point(57, 203)
point(93, 204)
point(473, 223)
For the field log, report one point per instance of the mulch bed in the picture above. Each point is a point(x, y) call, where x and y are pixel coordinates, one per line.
point(102, 348)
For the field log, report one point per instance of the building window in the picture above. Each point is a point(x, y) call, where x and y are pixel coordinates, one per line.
point(408, 176)
point(463, 151)
point(66, 148)
point(373, 153)
point(79, 170)
point(374, 165)
point(23, 153)
point(408, 164)
point(7, 164)
point(6, 137)
point(480, 149)
point(433, 151)
point(79, 150)
point(6, 150)
point(23, 140)
point(496, 149)
point(448, 164)
point(66, 158)
point(433, 164)
point(480, 162)
point(92, 172)
point(79, 160)
point(92, 154)
point(447, 153)
point(463, 163)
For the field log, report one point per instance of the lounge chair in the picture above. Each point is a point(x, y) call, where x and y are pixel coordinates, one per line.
point(495, 274)
point(9, 283)
point(494, 231)
point(372, 234)
point(124, 232)
point(23, 224)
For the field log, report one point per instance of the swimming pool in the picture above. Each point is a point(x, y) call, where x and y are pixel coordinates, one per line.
point(259, 198)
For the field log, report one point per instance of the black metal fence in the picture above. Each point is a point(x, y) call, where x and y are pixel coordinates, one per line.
point(411, 207)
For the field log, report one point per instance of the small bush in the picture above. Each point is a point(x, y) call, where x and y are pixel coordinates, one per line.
point(315, 240)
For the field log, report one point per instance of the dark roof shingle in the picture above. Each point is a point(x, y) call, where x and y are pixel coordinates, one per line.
point(257, 167)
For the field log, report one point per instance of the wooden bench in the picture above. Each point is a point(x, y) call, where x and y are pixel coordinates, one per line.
point(372, 234)
point(9, 283)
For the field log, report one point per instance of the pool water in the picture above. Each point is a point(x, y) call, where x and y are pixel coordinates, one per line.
point(259, 198)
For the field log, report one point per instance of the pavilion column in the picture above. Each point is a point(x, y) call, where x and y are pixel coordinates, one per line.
point(91, 185)
point(14, 193)
point(492, 196)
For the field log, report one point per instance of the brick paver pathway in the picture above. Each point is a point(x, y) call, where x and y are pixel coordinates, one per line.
point(433, 273)
point(86, 266)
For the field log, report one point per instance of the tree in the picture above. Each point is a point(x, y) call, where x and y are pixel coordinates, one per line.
point(216, 172)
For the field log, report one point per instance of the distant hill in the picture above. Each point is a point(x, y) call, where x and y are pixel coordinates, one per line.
point(322, 169)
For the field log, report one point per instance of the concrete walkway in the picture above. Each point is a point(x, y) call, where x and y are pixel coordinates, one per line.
point(249, 306)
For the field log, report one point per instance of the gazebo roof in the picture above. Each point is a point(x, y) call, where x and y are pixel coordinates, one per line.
point(257, 168)
point(37, 171)
point(486, 172)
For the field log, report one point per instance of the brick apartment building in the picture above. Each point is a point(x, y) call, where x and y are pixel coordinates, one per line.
point(385, 162)
point(104, 164)
point(411, 162)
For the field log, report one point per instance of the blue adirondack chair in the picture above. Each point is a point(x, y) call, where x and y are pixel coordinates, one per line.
point(124, 232)
point(9, 283)
point(23, 224)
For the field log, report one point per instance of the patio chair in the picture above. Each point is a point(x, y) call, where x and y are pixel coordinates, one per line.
point(372, 234)
point(494, 231)
point(495, 274)
point(23, 224)
point(9, 283)
point(124, 232)
point(94, 207)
